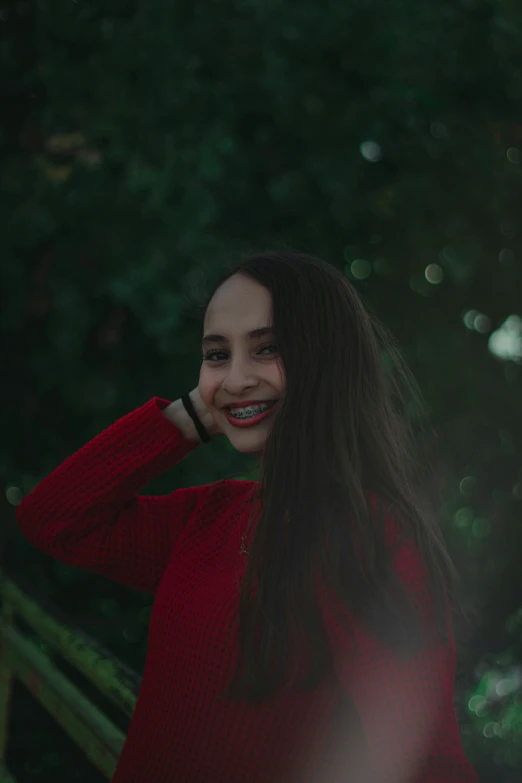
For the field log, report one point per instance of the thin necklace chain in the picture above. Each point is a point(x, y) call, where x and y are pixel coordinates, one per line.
point(243, 550)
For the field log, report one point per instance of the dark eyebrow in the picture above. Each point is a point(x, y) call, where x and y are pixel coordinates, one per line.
point(219, 338)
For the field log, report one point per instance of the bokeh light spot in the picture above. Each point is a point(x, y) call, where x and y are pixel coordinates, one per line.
point(434, 274)
point(370, 151)
point(463, 517)
point(491, 730)
point(509, 684)
point(482, 323)
point(419, 284)
point(506, 256)
point(477, 321)
point(14, 495)
point(506, 342)
point(468, 485)
point(481, 527)
point(469, 318)
point(360, 268)
point(478, 705)
point(439, 131)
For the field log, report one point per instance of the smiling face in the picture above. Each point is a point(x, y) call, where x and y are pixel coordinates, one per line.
point(240, 365)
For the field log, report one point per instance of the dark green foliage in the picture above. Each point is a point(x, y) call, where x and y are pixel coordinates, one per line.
point(143, 143)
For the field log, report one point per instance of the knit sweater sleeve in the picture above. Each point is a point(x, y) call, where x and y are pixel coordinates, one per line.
point(405, 707)
point(86, 513)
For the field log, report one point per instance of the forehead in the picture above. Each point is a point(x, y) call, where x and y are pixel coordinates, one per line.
point(239, 300)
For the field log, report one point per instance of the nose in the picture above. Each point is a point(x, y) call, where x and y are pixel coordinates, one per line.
point(240, 376)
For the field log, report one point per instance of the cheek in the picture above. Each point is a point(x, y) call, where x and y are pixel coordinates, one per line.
point(207, 387)
point(279, 377)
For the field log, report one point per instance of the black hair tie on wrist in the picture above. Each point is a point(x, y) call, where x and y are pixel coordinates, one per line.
point(187, 403)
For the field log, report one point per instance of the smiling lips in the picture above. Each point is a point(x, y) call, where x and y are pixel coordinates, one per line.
point(252, 419)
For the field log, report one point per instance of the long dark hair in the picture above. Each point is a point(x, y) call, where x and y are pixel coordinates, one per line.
point(342, 436)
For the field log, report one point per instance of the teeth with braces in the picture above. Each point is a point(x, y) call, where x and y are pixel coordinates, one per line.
point(246, 413)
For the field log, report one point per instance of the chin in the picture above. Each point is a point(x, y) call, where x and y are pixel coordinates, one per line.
point(254, 451)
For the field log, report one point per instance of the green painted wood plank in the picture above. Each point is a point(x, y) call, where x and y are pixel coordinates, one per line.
point(102, 669)
point(6, 687)
point(5, 777)
point(90, 729)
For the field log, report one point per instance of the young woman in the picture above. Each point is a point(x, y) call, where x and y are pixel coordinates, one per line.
point(301, 624)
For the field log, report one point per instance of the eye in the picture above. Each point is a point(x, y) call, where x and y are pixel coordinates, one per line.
point(209, 356)
point(273, 347)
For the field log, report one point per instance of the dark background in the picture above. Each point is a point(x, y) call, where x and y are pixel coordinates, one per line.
point(142, 143)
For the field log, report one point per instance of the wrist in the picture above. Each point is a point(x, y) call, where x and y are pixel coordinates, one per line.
point(177, 415)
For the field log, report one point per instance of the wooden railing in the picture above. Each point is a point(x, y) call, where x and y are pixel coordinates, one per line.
point(91, 730)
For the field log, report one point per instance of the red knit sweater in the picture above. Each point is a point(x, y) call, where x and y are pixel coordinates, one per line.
point(184, 549)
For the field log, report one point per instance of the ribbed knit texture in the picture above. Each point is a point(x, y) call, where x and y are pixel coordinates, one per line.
point(184, 549)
